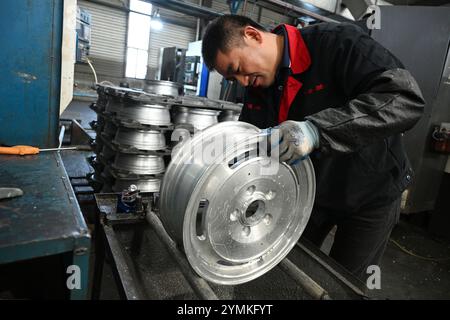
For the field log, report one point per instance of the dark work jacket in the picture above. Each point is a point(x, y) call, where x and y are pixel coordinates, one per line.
point(360, 98)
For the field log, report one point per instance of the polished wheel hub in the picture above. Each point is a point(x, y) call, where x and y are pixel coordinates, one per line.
point(235, 220)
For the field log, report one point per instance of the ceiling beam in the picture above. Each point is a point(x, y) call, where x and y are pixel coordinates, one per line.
point(187, 8)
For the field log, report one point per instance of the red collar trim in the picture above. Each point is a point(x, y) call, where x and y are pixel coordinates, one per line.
point(298, 52)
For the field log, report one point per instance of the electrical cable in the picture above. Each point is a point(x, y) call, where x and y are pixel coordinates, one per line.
point(93, 70)
point(416, 255)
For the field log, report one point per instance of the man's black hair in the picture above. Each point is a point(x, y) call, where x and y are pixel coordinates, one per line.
point(222, 33)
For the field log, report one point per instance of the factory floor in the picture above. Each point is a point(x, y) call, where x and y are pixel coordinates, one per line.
point(415, 265)
point(403, 276)
point(421, 273)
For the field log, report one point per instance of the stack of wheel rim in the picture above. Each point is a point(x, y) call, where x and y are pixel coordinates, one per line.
point(134, 131)
point(195, 114)
point(240, 213)
point(132, 128)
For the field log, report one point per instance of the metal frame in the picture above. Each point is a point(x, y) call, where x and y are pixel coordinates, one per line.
point(205, 13)
point(130, 286)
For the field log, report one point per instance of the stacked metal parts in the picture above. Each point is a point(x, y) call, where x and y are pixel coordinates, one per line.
point(135, 132)
point(131, 143)
point(197, 113)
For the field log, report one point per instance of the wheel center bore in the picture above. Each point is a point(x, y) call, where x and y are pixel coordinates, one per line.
point(254, 212)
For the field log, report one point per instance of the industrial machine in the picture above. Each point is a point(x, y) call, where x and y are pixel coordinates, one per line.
point(83, 34)
point(428, 60)
point(191, 74)
point(172, 64)
point(206, 84)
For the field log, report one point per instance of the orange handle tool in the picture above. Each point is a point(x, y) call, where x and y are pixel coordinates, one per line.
point(19, 150)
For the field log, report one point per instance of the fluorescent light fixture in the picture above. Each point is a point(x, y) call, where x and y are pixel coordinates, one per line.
point(156, 23)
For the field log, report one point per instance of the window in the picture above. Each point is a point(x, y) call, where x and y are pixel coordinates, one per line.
point(138, 39)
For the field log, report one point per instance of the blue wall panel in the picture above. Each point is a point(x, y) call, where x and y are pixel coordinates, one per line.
point(30, 69)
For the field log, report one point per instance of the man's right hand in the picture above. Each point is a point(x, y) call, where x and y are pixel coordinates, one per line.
point(297, 139)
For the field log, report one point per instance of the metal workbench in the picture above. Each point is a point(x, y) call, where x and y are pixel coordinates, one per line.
point(46, 221)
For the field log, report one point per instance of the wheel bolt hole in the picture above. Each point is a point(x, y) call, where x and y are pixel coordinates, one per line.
point(268, 219)
point(246, 231)
point(270, 195)
point(234, 215)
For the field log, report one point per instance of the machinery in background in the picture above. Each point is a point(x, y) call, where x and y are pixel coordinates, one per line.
point(428, 60)
point(83, 35)
point(191, 74)
point(196, 69)
point(208, 84)
point(172, 64)
point(184, 67)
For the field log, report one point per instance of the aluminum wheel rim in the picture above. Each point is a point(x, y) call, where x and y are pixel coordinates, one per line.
point(198, 118)
point(244, 231)
point(162, 87)
point(229, 115)
point(139, 164)
point(148, 114)
point(140, 139)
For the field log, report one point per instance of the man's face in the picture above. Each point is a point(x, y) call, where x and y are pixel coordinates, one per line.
point(251, 63)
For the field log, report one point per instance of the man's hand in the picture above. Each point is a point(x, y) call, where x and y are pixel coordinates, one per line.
point(297, 140)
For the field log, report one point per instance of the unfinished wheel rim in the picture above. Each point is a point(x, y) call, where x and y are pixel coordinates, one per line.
point(235, 223)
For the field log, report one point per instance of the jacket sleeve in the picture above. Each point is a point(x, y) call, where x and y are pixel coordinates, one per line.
point(384, 97)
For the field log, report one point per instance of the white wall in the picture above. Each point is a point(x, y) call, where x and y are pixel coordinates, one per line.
point(68, 54)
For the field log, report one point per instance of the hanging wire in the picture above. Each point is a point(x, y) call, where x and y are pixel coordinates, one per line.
point(93, 70)
point(416, 255)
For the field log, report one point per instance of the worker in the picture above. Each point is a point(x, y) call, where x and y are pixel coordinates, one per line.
point(339, 97)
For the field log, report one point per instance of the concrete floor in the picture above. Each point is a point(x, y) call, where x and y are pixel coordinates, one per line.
point(408, 277)
point(403, 276)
